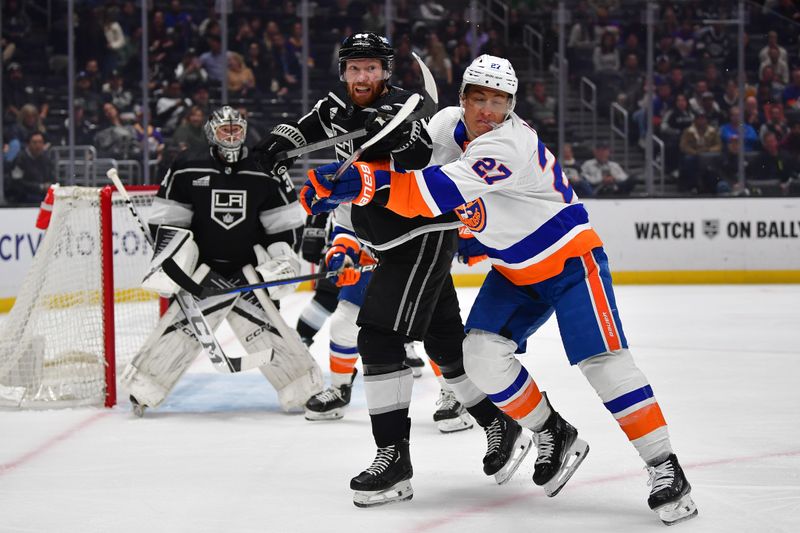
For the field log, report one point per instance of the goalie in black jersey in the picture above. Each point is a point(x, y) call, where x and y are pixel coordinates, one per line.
point(411, 294)
point(238, 225)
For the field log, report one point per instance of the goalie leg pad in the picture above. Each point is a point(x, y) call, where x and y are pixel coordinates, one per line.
point(170, 349)
point(293, 372)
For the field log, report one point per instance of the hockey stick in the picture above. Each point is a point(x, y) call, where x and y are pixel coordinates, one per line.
point(189, 285)
point(194, 316)
point(430, 103)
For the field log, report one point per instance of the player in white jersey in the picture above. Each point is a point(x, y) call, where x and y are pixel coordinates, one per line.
point(508, 188)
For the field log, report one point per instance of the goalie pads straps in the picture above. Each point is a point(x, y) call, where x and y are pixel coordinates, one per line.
point(293, 372)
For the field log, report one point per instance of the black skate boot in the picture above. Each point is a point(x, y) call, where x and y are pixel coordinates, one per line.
point(669, 492)
point(387, 480)
point(451, 415)
point(413, 361)
point(138, 409)
point(330, 403)
point(560, 452)
point(506, 447)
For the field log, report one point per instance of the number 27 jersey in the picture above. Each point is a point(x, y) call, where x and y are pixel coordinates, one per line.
point(509, 190)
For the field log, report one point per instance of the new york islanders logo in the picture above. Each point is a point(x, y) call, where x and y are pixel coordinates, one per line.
point(473, 215)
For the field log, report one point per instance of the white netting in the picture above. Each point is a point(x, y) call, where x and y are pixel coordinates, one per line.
point(52, 350)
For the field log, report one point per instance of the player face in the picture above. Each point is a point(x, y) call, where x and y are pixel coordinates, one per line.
point(229, 134)
point(484, 108)
point(364, 79)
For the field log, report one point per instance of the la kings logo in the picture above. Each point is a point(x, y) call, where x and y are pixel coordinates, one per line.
point(228, 207)
point(711, 228)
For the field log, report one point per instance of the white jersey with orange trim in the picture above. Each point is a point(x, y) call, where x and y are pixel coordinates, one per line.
point(508, 189)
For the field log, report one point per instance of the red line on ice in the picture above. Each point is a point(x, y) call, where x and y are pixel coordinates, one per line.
point(51, 442)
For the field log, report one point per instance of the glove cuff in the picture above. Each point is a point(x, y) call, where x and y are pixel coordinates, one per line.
point(291, 134)
point(374, 176)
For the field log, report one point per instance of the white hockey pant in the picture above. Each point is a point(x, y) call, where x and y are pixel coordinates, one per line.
point(344, 342)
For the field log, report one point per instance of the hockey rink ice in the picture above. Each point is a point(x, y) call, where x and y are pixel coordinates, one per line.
point(220, 456)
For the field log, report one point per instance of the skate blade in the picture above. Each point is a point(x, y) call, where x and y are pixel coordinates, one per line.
point(333, 414)
point(399, 492)
point(137, 408)
point(572, 460)
point(673, 513)
point(521, 448)
point(451, 425)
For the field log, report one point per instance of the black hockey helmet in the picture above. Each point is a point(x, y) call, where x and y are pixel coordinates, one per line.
point(366, 45)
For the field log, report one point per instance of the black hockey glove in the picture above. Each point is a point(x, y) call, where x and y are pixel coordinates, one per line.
point(315, 237)
point(403, 136)
point(283, 137)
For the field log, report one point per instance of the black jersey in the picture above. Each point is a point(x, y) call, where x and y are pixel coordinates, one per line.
point(374, 225)
point(229, 209)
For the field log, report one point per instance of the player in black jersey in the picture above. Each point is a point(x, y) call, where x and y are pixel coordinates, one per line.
point(240, 222)
point(411, 294)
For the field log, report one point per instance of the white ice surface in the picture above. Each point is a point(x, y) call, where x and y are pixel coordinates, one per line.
point(219, 455)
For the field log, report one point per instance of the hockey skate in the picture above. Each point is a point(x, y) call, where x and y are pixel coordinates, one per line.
point(451, 415)
point(507, 446)
point(330, 403)
point(670, 492)
point(137, 408)
point(560, 453)
point(387, 480)
point(413, 361)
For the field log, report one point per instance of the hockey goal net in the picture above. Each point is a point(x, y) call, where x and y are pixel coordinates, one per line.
point(80, 312)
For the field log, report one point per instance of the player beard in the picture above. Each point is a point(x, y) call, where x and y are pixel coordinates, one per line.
point(364, 93)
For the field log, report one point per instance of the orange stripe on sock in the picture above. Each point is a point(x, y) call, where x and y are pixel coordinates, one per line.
point(525, 403)
point(640, 423)
point(604, 315)
point(405, 198)
point(436, 370)
point(340, 365)
point(554, 264)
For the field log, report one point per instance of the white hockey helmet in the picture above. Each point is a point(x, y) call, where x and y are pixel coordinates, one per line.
point(492, 72)
point(226, 130)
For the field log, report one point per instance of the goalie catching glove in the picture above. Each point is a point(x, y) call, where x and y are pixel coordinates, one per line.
point(174, 243)
point(277, 262)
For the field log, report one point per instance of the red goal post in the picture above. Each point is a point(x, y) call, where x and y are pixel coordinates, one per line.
point(80, 311)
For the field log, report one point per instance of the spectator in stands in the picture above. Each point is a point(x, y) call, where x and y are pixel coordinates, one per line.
point(440, 65)
point(632, 46)
point(774, 164)
point(85, 130)
point(714, 44)
point(18, 91)
point(779, 67)
point(571, 169)
point(29, 122)
point(605, 57)
point(581, 41)
point(605, 176)
point(603, 24)
point(176, 15)
point(170, 107)
point(775, 123)
point(92, 73)
point(91, 98)
point(631, 83)
point(791, 94)
point(288, 66)
point(162, 43)
point(791, 143)
point(241, 81)
point(678, 81)
point(542, 109)
point(32, 174)
point(263, 69)
point(731, 96)
point(700, 147)
point(772, 42)
point(189, 140)
point(730, 130)
point(155, 140)
point(674, 122)
point(201, 99)
point(244, 37)
point(685, 40)
point(711, 109)
point(713, 80)
point(214, 60)
point(373, 20)
point(116, 140)
point(769, 89)
point(116, 43)
point(662, 101)
point(294, 45)
point(666, 49)
point(190, 72)
point(752, 113)
point(696, 99)
point(115, 92)
point(12, 146)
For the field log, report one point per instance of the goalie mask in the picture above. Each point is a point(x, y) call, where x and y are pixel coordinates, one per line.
point(226, 130)
point(494, 73)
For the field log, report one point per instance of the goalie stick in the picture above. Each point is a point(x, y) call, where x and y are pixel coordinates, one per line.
point(194, 316)
point(189, 285)
point(430, 103)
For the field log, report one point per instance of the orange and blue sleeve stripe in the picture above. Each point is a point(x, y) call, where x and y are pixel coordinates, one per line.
point(406, 198)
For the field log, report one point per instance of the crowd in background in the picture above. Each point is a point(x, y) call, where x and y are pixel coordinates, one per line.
point(695, 106)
